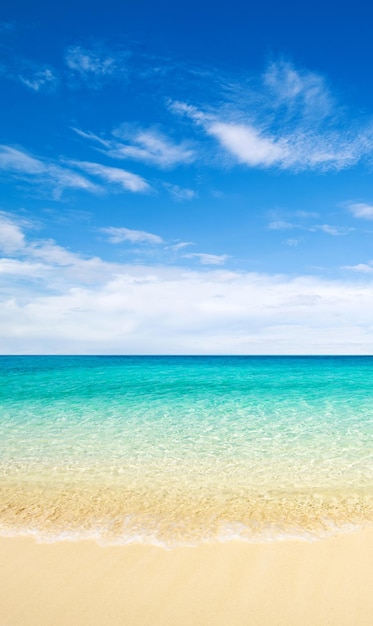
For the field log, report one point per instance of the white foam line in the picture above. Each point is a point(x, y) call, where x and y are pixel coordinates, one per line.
point(230, 533)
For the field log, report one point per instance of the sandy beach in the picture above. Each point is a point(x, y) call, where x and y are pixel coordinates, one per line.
point(283, 583)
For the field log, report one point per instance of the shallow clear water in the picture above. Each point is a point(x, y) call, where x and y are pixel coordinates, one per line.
point(185, 449)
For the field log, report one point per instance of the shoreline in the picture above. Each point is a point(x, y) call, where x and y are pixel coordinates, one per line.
point(282, 583)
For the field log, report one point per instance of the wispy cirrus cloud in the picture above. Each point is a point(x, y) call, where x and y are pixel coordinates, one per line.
point(121, 235)
point(42, 173)
point(149, 146)
point(115, 175)
point(287, 119)
point(180, 245)
point(180, 193)
point(298, 89)
point(33, 74)
point(118, 235)
point(255, 145)
point(42, 79)
point(14, 160)
point(96, 64)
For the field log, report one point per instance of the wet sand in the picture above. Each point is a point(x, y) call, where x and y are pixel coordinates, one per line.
point(286, 583)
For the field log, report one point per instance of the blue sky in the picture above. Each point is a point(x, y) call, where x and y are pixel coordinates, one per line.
point(186, 179)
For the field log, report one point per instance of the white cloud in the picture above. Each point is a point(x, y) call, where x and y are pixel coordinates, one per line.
point(95, 65)
point(51, 253)
point(180, 245)
point(155, 311)
point(43, 258)
point(180, 193)
point(91, 137)
point(247, 144)
point(207, 259)
point(40, 79)
point(292, 243)
point(182, 108)
point(295, 149)
point(14, 160)
point(14, 268)
point(288, 120)
point(61, 178)
point(84, 61)
point(294, 87)
point(34, 75)
point(336, 231)
point(365, 268)
point(42, 172)
point(280, 225)
point(361, 210)
point(149, 146)
point(12, 238)
point(113, 308)
point(120, 235)
point(126, 180)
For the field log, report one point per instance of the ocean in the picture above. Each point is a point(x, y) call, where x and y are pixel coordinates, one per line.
point(175, 450)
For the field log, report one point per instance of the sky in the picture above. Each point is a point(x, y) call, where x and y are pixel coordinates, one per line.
point(186, 178)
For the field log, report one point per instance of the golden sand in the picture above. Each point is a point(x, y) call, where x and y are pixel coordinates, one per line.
point(288, 583)
point(176, 517)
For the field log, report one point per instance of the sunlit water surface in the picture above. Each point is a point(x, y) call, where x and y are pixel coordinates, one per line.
point(179, 450)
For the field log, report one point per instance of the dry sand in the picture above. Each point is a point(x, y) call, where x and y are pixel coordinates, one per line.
point(289, 583)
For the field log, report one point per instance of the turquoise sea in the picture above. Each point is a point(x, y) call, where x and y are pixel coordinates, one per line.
point(179, 450)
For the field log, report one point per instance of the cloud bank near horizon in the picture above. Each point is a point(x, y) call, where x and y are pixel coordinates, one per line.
point(58, 301)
